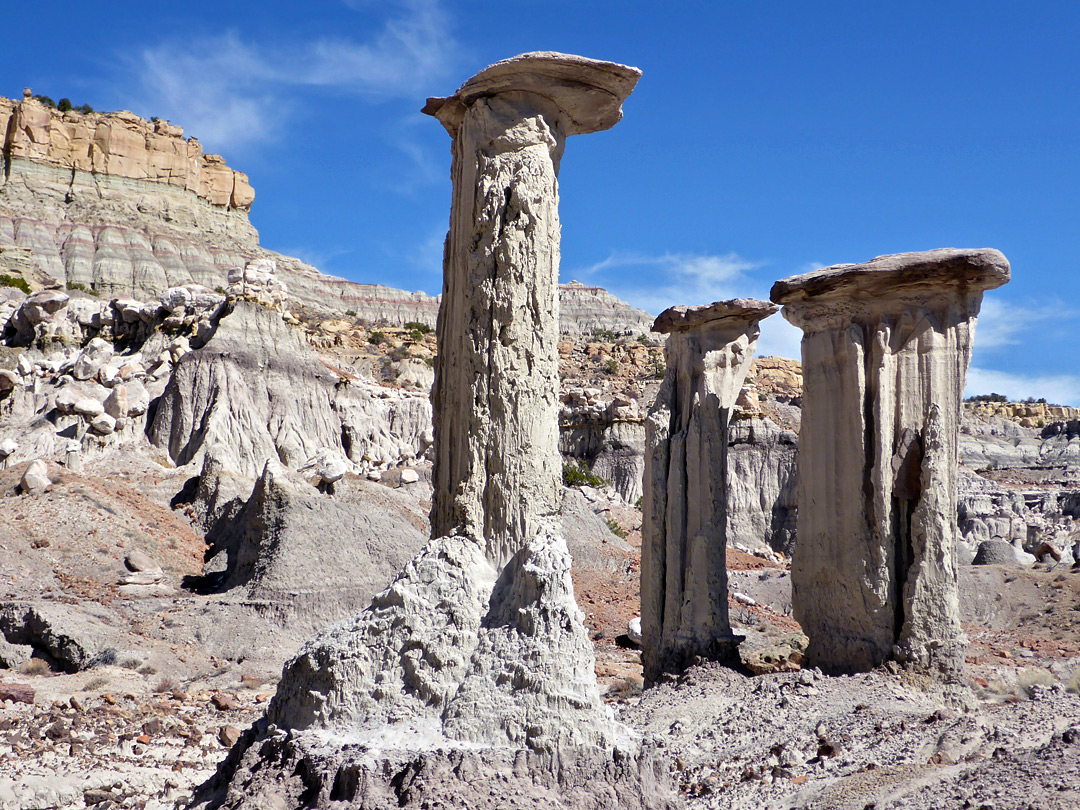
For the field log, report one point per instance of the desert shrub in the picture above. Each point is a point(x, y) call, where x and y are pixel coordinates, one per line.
point(659, 369)
point(48, 102)
point(94, 684)
point(616, 529)
point(35, 666)
point(147, 669)
point(64, 105)
point(1072, 681)
point(130, 663)
point(164, 685)
point(219, 290)
point(350, 313)
point(604, 334)
point(1031, 677)
point(85, 109)
point(416, 326)
point(415, 335)
point(624, 688)
point(75, 285)
point(640, 502)
point(17, 282)
point(105, 658)
point(376, 338)
point(611, 367)
point(576, 475)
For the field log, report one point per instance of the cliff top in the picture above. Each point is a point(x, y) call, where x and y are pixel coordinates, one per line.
point(120, 144)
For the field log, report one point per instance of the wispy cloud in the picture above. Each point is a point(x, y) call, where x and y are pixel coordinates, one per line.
point(675, 278)
point(321, 259)
point(231, 91)
point(1002, 323)
point(1060, 389)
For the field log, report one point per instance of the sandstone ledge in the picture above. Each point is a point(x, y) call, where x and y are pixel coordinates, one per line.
point(120, 144)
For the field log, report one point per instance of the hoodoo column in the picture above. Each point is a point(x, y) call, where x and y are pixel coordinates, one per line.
point(684, 593)
point(497, 466)
point(885, 352)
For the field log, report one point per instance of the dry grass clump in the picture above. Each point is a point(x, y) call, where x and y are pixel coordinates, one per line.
point(165, 685)
point(96, 684)
point(35, 666)
point(1030, 677)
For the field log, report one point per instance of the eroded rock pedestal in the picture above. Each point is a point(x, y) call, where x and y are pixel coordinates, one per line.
point(470, 681)
point(885, 353)
point(684, 605)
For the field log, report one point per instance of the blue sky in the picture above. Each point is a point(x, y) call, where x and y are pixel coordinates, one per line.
point(764, 139)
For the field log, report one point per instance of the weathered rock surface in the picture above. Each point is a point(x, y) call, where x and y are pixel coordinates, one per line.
point(885, 352)
point(684, 593)
point(498, 326)
point(260, 392)
point(36, 477)
point(301, 557)
point(68, 638)
point(438, 691)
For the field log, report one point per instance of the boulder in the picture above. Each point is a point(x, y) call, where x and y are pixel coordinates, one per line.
point(43, 305)
point(998, 552)
point(103, 424)
point(140, 561)
point(36, 477)
point(90, 360)
point(9, 380)
point(68, 397)
point(88, 407)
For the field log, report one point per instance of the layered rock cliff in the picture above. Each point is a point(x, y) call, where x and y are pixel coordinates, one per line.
point(125, 206)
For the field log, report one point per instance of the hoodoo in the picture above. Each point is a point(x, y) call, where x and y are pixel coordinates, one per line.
point(471, 680)
point(684, 608)
point(885, 352)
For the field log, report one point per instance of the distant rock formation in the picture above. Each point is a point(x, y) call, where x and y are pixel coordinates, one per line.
point(127, 207)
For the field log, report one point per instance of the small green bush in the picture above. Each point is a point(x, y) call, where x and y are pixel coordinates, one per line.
point(85, 109)
point(416, 326)
point(576, 475)
point(616, 529)
point(611, 367)
point(640, 502)
point(64, 105)
point(48, 102)
point(376, 338)
point(350, 313)
point(415, 335)
point(604, 334)
point(74, 285)
point(15, 281)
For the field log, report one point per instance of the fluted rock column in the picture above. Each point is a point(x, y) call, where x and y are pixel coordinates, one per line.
point(684, 604)
point(497, 465)
point(885, 352)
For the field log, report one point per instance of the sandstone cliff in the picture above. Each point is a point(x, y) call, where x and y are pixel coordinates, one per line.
point(125, 206)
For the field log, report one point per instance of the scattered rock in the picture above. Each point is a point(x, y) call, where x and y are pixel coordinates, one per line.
point(36, 477)
point(16, 692)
